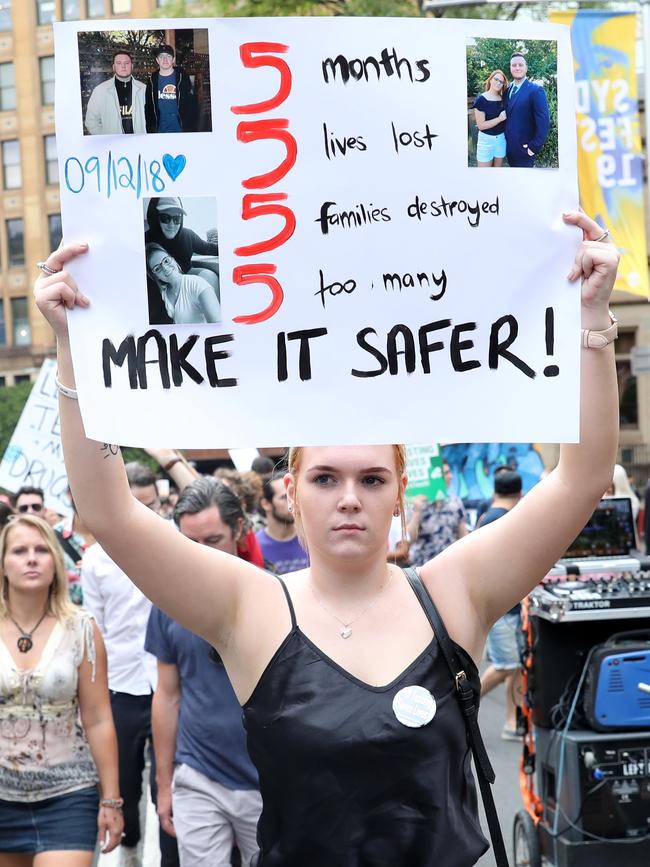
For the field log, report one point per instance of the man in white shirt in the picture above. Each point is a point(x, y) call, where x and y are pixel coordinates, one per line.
point(116, 106)
point(122, 613)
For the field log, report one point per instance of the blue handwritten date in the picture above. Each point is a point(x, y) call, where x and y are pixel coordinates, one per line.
point(111, 174)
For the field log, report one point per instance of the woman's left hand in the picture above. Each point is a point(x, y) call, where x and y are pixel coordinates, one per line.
point(110, 824)
point(596, 262)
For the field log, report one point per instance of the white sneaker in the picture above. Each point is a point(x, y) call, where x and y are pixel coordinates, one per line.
point(130, 856)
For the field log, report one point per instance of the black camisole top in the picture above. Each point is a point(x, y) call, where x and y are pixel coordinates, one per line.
point(343, 782)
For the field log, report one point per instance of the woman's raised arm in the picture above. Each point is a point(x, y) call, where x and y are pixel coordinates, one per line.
point(502, 562)
point(197, 586)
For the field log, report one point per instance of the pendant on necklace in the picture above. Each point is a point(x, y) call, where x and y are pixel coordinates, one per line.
point(346, 632)
point(24, 643)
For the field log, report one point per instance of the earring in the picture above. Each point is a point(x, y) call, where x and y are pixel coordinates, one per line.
point(396, 512)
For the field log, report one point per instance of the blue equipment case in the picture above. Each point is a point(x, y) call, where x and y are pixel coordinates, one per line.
point(617, 689)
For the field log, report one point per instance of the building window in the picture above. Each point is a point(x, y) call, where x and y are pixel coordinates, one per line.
point(627, 382)
point(51, 162)
point(7, 87)
point(47, 80)
point(54, 230)
point(3, 330)
point(71, 10)
point(45, 11)
point(96, 9)
point(15, 243)
point(3, 381)
point(12, 174)
point(121, 7)
point(22, 377)
point(5, 15)
point(22, 333)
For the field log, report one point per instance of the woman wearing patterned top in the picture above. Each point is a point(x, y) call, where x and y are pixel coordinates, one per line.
point(57, 739)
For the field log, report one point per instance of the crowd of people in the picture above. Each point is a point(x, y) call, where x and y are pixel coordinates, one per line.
point(298, 700)
point(164, 684)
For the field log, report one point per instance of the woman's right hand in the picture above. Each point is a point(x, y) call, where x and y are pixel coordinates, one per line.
point(503, 115)
point(57, 292)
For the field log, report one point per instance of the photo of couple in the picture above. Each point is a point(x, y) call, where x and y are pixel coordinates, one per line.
point(512, 116)
point(133, 82)
point(182, 263)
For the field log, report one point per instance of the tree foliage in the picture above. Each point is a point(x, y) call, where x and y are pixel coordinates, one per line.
point(12, 401)
point(250, 8)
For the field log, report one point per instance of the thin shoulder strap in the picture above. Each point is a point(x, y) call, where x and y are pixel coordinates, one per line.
point(469, 710)
point(292, 610)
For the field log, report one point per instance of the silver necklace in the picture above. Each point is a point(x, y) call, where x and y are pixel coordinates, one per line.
point(346, 627)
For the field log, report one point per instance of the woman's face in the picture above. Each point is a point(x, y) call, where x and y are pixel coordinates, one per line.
point(497, 83)
point(170, 223)
point(345, 497)
point(162, 265)
point(28, 562)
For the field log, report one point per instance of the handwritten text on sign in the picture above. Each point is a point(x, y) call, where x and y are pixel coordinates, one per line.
point(34, 455)
point(373, 287)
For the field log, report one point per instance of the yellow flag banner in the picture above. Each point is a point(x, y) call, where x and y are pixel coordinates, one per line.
point(610, 161)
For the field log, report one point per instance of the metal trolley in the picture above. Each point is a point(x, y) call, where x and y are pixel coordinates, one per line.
point(586, 793)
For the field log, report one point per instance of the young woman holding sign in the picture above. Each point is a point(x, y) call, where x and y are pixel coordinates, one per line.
point(349, 704)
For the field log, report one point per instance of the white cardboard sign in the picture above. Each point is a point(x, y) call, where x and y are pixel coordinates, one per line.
point(34, 455)
point(374, 286)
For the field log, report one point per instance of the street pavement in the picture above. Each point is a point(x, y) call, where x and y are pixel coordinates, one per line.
point(504, 755)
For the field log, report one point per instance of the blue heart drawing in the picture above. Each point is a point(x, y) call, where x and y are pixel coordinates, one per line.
point(174, 165)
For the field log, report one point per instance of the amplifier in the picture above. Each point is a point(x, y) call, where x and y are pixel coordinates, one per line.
point(592, 596)
point(605, 786)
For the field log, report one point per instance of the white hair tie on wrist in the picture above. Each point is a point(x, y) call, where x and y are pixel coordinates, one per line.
point(65, 390)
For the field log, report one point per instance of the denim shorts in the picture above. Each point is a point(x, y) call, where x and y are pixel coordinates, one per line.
point(65, 822)
point(503, 642)
point(490, 146)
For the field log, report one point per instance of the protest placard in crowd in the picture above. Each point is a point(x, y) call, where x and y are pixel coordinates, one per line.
point(371, 283)
point(424, 471)
point(34, 455)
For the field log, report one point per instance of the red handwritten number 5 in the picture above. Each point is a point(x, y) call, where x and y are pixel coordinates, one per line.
point(253, 204)
point(247, 53)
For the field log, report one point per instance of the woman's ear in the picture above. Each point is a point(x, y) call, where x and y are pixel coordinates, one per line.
point(290, 487)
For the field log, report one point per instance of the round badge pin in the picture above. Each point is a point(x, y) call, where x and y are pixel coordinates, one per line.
point(414, 706)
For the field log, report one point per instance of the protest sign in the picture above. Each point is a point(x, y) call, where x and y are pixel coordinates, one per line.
point(424, 471)
point(371, 283)
point(34, 455)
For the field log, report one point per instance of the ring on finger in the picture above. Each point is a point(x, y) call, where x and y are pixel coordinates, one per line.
point(603, 236)
point(45, 268)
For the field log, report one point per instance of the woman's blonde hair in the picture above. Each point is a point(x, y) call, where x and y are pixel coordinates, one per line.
point(399, 451)
point(59, 604)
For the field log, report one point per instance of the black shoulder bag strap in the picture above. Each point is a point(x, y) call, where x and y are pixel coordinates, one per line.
point(469, 710)
point(68, 547)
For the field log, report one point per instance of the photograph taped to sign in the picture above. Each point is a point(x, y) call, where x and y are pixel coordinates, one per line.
point(363, 265)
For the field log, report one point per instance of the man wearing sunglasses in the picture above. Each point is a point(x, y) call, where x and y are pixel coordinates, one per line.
point(29, 501)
